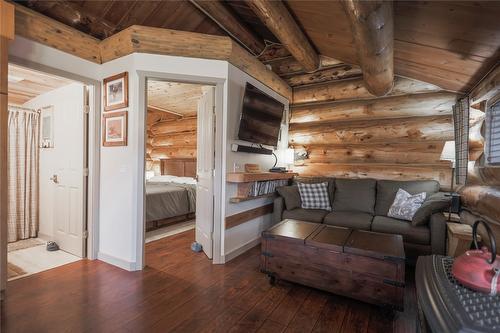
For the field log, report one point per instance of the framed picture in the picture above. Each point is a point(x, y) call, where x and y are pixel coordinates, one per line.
point(114, 129)
point(47, 127)
point(116, 92)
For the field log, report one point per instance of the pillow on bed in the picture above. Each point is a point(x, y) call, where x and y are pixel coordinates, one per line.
point(184, 180)
point(164, 178)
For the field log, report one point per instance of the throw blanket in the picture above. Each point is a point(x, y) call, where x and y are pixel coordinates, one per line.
point(165, 200)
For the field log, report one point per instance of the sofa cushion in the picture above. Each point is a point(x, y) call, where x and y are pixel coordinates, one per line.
point(387, 189)
point(406, 205)
point(354, 195)
point(355, 220)
point(314, 196)
point(438, 202)
point(410, 233)
point(309, 215)
point(315, 180)
point(291, 195)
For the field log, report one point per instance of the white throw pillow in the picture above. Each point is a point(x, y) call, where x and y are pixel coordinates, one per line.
point(406, 205)
point(314, 196)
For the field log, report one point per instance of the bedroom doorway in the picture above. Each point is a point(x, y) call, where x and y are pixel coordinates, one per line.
point(48, 127)
point(180, 158)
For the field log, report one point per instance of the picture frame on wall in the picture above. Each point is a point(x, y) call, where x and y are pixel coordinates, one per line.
point(115, 129)
point(116, 92)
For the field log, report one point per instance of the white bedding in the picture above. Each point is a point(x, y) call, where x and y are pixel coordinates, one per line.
point(172, 179)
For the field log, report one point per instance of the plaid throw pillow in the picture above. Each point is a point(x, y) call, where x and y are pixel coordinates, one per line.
point(314, 196)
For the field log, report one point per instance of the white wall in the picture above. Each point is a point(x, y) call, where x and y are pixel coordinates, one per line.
point(66, 140)
point(249, 232)
point(121, 168)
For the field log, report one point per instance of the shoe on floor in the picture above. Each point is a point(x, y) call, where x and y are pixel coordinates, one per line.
point(52, 246)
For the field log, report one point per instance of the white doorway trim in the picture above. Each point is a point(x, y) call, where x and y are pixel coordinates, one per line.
point(93, 144)
point(218, 177)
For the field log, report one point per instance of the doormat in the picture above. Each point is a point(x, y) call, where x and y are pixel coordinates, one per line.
point(24, 244)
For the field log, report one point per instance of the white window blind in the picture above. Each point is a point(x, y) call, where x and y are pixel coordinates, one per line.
point(493, 134)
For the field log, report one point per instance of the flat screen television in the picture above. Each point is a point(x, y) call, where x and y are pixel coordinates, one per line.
point(261, 117)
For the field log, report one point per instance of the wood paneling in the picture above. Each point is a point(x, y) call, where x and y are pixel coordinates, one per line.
point(240, 218)
point(26, 84)
point(179, 98)
point(355, 89)
point(180, 167)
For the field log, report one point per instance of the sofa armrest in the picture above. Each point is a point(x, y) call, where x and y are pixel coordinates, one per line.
point(279, 206)
point(437, 225)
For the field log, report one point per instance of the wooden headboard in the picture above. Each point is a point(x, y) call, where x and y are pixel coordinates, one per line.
point(180, 167)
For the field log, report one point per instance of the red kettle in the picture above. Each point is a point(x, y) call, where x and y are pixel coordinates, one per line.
point(477, 269)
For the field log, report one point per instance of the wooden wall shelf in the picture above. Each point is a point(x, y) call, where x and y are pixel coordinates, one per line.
point(247, 177)
point(245, 181)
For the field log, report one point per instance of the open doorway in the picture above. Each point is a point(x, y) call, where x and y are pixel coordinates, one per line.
point(180, 156)
point(47, 171)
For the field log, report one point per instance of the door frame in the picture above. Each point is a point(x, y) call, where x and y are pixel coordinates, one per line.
point(93, 137)
point(218, 186)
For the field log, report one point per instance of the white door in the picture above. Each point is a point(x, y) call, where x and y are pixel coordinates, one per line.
point(205, 170)
point(67, 171)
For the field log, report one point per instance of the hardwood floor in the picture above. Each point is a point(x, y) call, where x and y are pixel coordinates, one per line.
point(181, 291)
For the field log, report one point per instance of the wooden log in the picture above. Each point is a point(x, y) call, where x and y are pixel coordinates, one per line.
point(405, 153)
point(482, 200)
point(175, 139)
point(39, 28)
point(173, 152)
point(273, 51)
point(278, 19)
point(417, 105)
point(355, 89)
point(290, 66)
point(226, 19)
point(372, 26)
point(189, 44)
point(176, 126)
point(488, 87)
point(339, 72)
point(438, 172)
point(435, 128)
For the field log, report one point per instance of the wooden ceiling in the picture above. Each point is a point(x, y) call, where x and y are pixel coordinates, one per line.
point(26, 84)
point(451, 44)
point(180, 99)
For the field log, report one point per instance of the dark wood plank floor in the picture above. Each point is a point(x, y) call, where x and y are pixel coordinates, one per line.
point(181, 291)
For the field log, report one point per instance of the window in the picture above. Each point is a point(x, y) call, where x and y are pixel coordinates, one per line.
point(492, 148)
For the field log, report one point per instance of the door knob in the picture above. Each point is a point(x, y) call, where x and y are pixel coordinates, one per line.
point(54, 179)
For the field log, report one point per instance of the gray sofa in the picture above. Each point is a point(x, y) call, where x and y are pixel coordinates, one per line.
point(364, 203)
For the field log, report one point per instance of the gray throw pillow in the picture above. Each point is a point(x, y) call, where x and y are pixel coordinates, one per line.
point(314, 196)
point(291, 196)
point(438, 202)
point(406, 205)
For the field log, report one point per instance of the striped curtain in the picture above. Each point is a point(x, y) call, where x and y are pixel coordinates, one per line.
point(461, 124)
point(23, 168)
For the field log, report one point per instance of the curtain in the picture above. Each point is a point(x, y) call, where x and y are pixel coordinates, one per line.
point(22, 174)
point(461, 125)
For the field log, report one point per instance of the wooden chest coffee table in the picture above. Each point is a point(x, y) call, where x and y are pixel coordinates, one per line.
point(364, 265)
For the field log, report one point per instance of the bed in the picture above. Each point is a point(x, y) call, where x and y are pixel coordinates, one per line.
point(171, 197)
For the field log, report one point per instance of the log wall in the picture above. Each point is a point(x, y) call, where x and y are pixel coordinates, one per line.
point(169, 137)
point(339, 129)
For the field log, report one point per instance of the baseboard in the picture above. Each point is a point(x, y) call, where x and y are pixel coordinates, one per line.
point(126, 265)
point(45, 236)
point(242, 249)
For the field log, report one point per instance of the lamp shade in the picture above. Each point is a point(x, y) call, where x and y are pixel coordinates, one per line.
point(289, 156)
point(448, 153)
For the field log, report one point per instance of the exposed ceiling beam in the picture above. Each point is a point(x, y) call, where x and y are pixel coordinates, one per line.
point(278, 19)
point(226, 19)
point(372, 26)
